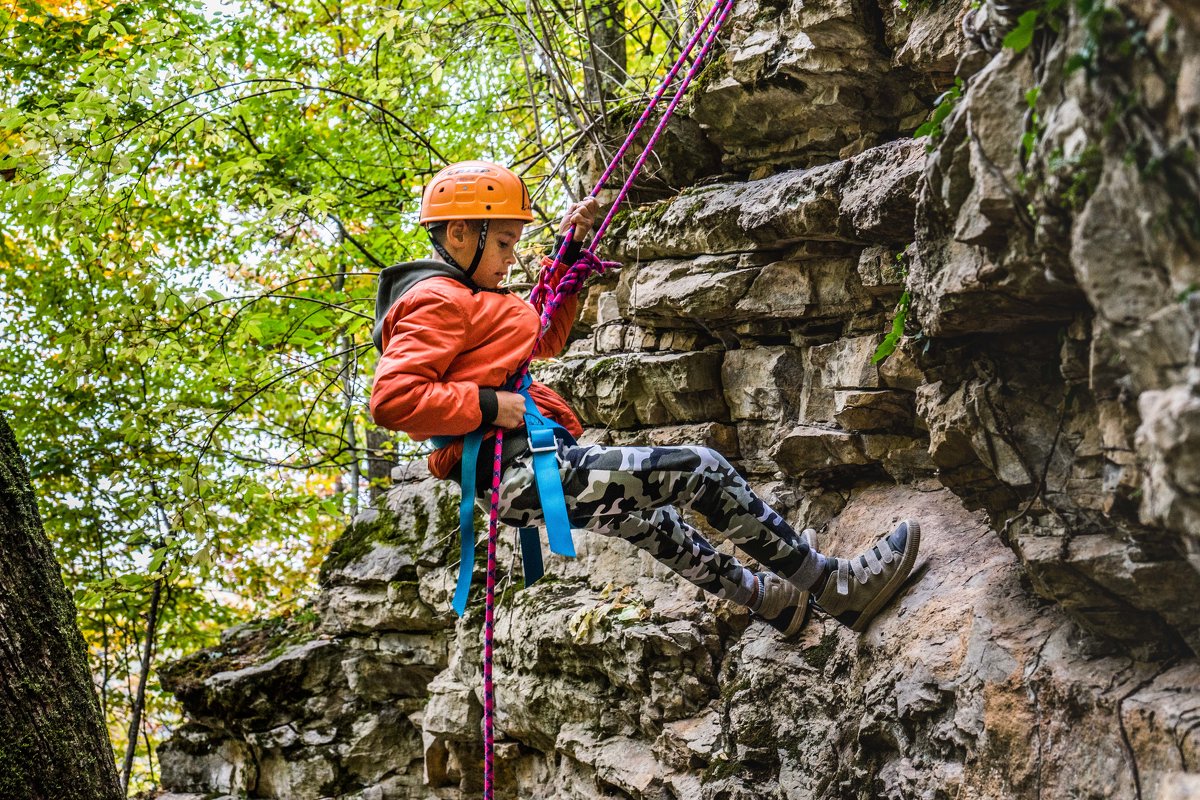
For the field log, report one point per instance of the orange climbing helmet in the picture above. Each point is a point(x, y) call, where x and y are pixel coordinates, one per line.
point(475, 190)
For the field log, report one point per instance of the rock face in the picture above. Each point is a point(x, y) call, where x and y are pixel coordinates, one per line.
point(1041, 417)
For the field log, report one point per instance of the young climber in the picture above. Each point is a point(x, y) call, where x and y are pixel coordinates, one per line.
point(451, 338)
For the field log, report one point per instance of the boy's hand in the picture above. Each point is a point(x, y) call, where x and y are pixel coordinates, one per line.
point(510, 410)
point(583, 216)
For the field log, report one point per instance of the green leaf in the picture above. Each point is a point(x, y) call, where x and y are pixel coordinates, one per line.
point(1021, 36)
point(893, 337)
point(157, 559)
point(633, 613)
point(885, 349)
point(131, 582)
point(89, 599)
point(1028, 143)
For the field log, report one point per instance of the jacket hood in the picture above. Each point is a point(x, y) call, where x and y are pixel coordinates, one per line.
point(395, 280)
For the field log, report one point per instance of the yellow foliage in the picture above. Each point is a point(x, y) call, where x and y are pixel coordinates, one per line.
point(27, 11)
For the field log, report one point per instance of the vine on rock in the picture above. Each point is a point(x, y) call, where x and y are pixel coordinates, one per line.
point(892, 340)
point(944, 104)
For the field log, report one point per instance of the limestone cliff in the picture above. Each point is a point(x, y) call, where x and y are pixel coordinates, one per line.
point(1041, 417)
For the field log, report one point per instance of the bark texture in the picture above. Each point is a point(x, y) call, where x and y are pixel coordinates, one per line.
point(53, 745)
point(604, 70)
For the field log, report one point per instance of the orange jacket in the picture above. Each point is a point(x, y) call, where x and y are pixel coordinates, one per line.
point(446, 345)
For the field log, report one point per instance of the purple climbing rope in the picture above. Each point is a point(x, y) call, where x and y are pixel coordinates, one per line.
point(662, 124)
point(719, 11)
point(551, 289)
point(554, 285)
point(662, 88)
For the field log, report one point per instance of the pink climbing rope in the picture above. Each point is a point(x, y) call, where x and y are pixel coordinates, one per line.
point(662, 124)
point(662, 88)
point(720, 11)
point(489, 623)
point(554, 285)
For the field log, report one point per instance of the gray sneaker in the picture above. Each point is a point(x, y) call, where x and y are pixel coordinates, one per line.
point(783, 606)
point(857, 588)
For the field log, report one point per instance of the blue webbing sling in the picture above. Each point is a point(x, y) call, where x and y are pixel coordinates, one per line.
point(542, 433)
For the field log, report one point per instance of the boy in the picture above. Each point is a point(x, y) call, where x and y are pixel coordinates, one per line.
point(449, 334)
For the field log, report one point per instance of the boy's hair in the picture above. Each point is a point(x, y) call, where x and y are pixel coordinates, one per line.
point(438, 229)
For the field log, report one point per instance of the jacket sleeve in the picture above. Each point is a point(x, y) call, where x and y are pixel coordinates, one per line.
point(409, 394)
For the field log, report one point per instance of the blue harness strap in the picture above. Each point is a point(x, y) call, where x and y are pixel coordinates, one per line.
point(544, 445)
point(531, 556)
point(466, 520)
point(543, 434)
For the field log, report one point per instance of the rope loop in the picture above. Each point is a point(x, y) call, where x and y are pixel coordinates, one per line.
point(558, 281)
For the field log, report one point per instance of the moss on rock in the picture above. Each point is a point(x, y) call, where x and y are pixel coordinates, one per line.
point(405, 531)
point(818, 655)
point(720, 769)
point(253, 643)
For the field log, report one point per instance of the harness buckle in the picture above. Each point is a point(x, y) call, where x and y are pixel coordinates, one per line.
point(542, 440)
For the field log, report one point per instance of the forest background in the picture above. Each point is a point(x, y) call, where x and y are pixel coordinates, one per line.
point(194, 201)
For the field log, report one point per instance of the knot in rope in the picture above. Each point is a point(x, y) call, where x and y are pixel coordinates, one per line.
point(559, 281)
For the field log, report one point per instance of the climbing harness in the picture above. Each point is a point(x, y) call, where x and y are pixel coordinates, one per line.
point(554, 285)
point(543, 433)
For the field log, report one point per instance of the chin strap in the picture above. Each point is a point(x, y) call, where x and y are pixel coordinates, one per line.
point(449, 259)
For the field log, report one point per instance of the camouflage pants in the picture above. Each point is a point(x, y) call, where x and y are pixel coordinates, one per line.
point(636, 492)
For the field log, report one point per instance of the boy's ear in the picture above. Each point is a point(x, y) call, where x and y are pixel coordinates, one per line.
point(462, 232)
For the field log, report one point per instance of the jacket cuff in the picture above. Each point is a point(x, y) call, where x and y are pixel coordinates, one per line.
point(489, 406)
point(573, 250)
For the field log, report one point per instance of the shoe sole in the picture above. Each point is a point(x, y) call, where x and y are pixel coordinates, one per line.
point(912, 545)
point(810, 538)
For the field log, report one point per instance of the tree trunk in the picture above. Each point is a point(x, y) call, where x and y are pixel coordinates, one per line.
point(605, 65)
point(139, 702)
point(53, 744)
point(685, 19)
point(381, 446)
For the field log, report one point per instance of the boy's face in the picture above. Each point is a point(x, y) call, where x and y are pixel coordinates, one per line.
point(499, 254)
